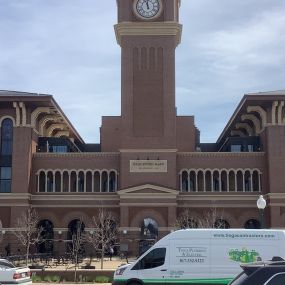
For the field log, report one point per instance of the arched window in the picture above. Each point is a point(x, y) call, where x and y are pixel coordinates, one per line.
point(224, 181)
point(192, 181)
point(216, 181)
point(221, 224)
point(247, 185)
point(0, 230)
point(104, 178)
point(42, 181)
point(112, 182)
point(184, 181)
point(81, 181)
point(216, 184)
point(50, 182)
point(247, 181)
point(6, 137)
point(255, 181)
point(73, 181)
point(47, 235)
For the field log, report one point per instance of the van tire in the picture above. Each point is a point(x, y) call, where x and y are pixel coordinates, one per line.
point(133, 282)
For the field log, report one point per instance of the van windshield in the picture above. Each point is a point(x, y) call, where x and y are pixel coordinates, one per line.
point(154, 258)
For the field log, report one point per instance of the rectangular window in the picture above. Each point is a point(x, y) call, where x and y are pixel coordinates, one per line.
point(58, 148)
point(236, 148)
point(250, 148)
point(5, 179)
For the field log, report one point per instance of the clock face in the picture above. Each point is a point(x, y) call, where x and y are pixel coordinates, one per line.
point(148, 9)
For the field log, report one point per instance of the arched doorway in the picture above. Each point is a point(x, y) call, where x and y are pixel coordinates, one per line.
point(47, 235)
point(75, 229)
point(252, 224)
point(149, 234)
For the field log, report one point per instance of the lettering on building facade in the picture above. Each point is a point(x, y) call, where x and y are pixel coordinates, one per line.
point(158, 166)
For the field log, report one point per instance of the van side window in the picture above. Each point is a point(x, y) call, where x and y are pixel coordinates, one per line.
point(153, 259)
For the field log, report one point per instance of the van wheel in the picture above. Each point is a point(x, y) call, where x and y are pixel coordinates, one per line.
point(134, 283)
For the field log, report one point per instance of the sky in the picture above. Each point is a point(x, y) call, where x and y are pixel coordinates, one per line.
point(67, 48)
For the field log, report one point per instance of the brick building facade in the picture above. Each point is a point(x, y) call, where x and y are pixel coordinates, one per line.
point(150, 164)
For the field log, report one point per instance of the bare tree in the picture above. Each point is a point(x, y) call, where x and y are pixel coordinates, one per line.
point(103, 233)
point(208, 219)
point(76, 244)
point(186, 220)
point(28, 232)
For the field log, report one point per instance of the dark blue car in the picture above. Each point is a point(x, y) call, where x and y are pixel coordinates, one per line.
point(262, 273)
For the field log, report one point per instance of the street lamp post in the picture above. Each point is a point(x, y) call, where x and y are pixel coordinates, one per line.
point(261, 204)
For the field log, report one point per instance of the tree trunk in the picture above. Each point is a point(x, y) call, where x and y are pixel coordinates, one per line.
point(27, 254)
point(75, 271)
point(102, 257)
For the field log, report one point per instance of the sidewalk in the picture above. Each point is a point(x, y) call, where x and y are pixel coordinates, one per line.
point(66, 270)
point(107, 264)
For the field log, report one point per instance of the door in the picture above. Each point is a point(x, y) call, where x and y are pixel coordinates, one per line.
point(153, 266)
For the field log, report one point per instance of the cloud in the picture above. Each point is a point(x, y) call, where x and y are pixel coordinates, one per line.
point(228, 49)
point(253, 42)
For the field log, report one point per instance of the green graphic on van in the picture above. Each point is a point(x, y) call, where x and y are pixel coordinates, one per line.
point(244, 255)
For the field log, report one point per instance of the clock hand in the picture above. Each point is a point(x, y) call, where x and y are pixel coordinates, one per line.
point(147, 4)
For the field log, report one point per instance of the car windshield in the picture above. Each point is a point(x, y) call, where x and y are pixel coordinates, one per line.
point(6, 263)
point(239, 279)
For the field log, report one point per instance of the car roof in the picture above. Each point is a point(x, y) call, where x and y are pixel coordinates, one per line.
point(276, 261)
point(270, 265)
point(4, 260)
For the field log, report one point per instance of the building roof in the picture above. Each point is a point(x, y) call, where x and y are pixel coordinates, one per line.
point(19, 93)
point(263, 100)
point(35, 100)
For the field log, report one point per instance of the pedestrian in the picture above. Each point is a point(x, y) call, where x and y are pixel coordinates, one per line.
point(111, 252)
point(8, 249)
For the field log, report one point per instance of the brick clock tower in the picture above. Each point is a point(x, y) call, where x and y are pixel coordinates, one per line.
point(148, 33)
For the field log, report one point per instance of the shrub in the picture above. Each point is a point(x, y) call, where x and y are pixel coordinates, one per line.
point(88, 279)
point(55, 278)
point(102, 279)
point(36, 278)
point(47, 278)
point(52, 278)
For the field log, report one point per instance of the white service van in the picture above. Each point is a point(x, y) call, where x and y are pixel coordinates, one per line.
point(201, 256)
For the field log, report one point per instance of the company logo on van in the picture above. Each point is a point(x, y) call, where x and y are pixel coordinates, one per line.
point(244, 255)
point(192, 254)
